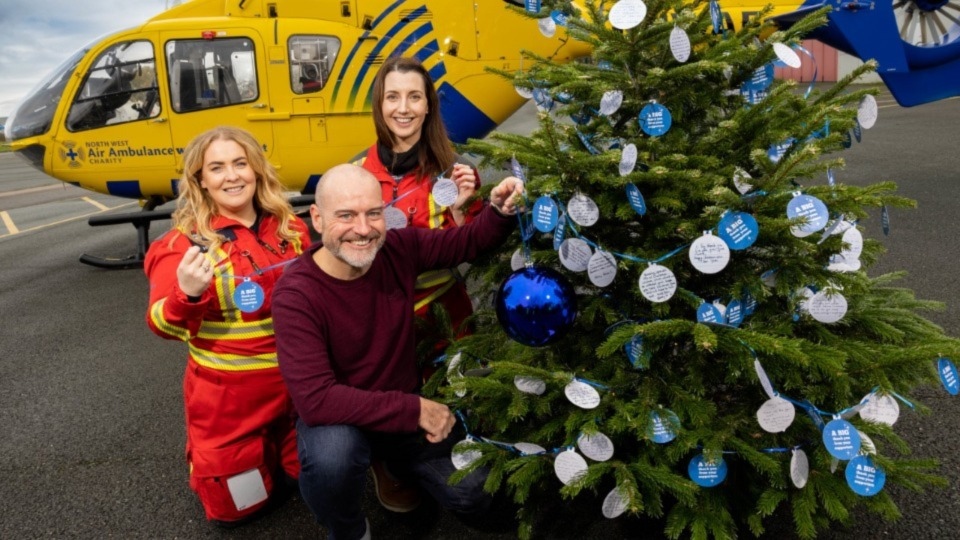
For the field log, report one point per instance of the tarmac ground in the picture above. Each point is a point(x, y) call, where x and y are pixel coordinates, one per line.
point(92, 420)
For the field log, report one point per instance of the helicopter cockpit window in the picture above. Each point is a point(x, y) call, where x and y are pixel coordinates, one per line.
point(209, 73)
point(120, 87)
point(311, 59)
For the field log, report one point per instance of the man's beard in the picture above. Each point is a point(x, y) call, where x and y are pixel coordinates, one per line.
point(359, 261)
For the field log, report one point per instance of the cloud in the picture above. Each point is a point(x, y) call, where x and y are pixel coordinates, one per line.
point(38, 35)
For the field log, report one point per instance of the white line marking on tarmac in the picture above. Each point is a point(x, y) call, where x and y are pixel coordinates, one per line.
point(11, 228)
point(31, 190)
point(95, 203)
point(68, 220)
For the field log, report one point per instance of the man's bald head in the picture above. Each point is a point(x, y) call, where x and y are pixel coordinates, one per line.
point(344, 181)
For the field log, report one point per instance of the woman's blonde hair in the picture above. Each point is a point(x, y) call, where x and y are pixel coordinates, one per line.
point(195, 208)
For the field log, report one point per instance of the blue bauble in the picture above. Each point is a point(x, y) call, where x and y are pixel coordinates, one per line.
point(536, 306)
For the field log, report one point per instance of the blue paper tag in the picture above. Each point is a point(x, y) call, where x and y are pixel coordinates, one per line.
point(248, 296)
point(533, 6)
point(560, 232)
point(738, 229)
point(662, 426)
point(716, 17)
point(857, 131)
point(734, 313)
point(639, 358)
point(564, 97)
point(516, 169)
point(545, 214)
point(885, 220)
point(759, 81)
point(559, 17)
point(749, 304)
point(864, 477)
point(586, 143)
point(777, 151)
point(605, 65)
point(543, 99)
point(636, 199)
point(811, 209)
point(705, 473)
point(847, 141)
point(708, 313)
point(581, 118)
point(655, 119)
point(948, 376)
point(528, 230)
point(841, 439)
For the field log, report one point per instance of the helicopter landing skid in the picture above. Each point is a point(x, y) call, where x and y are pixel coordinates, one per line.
point(141, 221)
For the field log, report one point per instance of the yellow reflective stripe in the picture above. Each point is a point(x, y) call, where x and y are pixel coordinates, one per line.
point(235, 330)
point(232, 362)
point(156, 315)
point(432, 278)
point(436, 213)
point(225, 286)
point(434, 295)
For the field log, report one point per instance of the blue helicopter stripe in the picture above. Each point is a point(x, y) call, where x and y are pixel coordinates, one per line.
point(175, 187)
point(427, 51)
point(384, 41)
point(125, 188)
point(438, 71)
point(463, 119)
point(356, 47)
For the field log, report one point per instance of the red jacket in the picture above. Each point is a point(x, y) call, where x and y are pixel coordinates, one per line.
point(221, 336)
point(423, 212)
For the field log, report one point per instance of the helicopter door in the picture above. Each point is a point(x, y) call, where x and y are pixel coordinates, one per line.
point(218, 81)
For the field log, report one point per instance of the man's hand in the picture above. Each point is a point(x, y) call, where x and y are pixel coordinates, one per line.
point(507, 195)
point(436, 419)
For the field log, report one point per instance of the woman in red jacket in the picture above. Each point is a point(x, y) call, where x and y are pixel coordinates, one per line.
point(412, 151)
point(211, 278)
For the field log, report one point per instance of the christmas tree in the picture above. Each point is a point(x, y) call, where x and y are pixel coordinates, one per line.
point(687, 328)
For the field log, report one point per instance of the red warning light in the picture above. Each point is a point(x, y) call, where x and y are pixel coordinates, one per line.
point(208, 34)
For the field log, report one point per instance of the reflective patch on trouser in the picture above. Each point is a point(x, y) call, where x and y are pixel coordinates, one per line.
point(231, 482)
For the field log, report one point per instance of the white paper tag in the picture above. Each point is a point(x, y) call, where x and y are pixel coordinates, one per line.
point(799, 468)
point(680, 44)
point(881, 408)
point(548, 27)
point(610, 102)
point(569, 466)
point(626, 14)
point(657, 283)
point(628, 159)
point(709, 254)
point(575, 254)
point(445, 192)
point(786, 55)
point(582, 210)
point(602, 268)
point(615, 503)
point(867, 112)
point(464, 453)
point(530, 385)
point(582, 394)
point(775, 415)
point(394, 217)
point(740, 178)
point(525, 93)
point(597, 447)
point(517, 260)
point(827, 308)
point(247, 489)
point(854, 239)
point(529, 448)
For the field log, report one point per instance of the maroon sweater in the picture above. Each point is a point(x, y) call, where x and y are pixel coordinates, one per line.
point(346, 348)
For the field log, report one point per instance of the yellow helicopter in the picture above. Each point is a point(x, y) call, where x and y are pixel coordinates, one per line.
point(115, 116)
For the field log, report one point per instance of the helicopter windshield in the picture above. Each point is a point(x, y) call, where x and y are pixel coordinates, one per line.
point(34, 114)
point(120, 87)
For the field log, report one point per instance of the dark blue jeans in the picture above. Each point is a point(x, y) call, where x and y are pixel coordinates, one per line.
point(334, 462)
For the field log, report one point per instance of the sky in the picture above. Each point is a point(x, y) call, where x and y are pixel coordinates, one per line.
point(36, 36)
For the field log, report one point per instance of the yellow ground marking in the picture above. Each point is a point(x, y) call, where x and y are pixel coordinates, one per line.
point(11, 228)
point(95, 203)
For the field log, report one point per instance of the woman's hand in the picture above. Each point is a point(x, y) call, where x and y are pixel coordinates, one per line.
point(466, 180)
point(194, 272)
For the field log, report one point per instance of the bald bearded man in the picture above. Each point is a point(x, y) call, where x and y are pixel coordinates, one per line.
point(344, 322)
